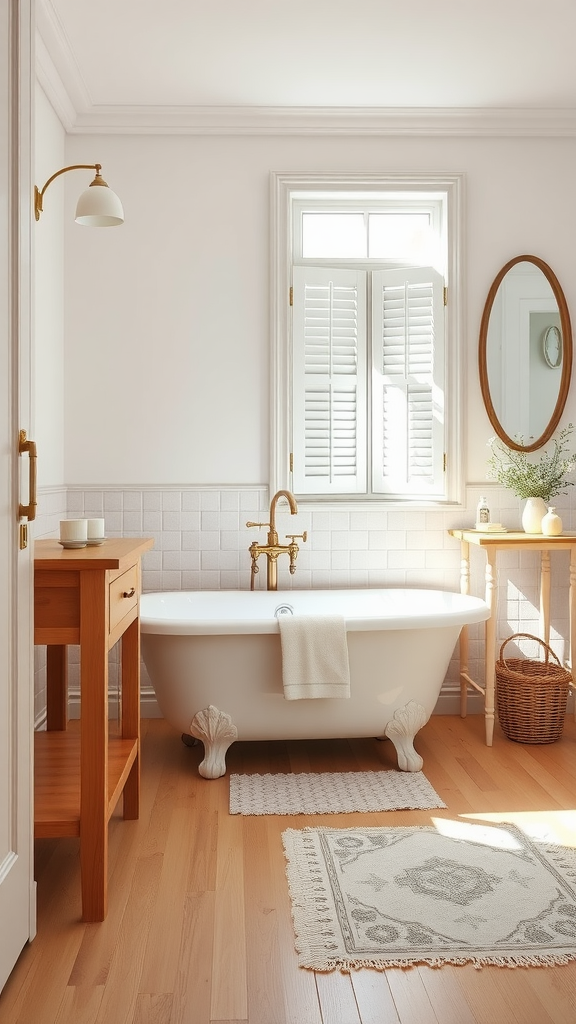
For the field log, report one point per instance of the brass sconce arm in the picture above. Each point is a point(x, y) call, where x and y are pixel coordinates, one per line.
point(39, 193)
point(97, 209)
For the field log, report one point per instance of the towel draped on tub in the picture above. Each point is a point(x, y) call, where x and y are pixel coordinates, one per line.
point(314, 656)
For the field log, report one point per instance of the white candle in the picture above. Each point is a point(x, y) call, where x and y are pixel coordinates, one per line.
point(73, 531)
point(95, 529)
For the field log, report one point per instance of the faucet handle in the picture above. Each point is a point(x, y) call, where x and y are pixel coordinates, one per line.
point(296, 536)
point(257, 524)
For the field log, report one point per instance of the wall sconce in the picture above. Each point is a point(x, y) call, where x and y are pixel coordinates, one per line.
point(96, 207)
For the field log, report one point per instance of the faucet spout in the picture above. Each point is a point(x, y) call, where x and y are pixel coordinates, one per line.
point(293, 509)
point(272, 549)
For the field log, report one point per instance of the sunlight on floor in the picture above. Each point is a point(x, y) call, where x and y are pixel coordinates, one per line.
point(487, 835)
point(547, 826)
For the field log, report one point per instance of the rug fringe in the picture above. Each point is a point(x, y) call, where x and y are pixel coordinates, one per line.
point(323, 966)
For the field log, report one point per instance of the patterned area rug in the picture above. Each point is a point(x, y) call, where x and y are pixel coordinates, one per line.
point(391, 897)
point(331, 793)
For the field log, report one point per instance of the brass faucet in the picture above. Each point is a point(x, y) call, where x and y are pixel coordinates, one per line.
point(272, 548)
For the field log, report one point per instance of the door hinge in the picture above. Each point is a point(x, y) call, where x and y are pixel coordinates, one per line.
point(445, 461)
point(445, 296)
point(291, 462)
point(291, 296)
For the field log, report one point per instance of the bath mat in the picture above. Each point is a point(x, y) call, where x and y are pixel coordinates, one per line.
point(458, 893)
point(331, 793)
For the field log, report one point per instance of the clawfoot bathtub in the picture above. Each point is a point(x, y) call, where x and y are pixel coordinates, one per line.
point(214, 660)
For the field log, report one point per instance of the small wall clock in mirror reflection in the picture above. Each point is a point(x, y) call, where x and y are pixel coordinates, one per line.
point(552, 346)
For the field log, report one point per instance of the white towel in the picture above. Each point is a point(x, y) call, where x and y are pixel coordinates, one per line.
point(314, 656)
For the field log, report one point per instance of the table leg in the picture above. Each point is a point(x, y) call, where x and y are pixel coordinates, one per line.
point(56, 687)
point(464, 645)
point(131, 714)
point(572, 614)
point(93, 747)
point(490, 644)
point(545, 596)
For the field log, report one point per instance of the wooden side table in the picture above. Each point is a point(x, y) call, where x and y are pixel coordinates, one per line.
point(88, 596)
point(492, 543)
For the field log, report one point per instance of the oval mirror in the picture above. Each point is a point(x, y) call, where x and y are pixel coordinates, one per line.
point(525, 353)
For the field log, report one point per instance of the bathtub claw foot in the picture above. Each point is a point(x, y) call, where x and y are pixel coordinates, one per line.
point(217, 732)
point(402, 730)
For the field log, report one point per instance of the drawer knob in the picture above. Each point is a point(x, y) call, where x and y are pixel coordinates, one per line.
point(129, 593)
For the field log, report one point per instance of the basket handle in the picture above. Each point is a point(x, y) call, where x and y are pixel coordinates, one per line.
point(529, 636)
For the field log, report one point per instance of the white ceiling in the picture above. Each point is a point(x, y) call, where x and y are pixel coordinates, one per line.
point(209, 65)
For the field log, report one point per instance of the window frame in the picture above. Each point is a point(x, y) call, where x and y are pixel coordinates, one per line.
point(284, 191)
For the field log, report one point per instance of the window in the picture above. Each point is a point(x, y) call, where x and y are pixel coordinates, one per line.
point(366, 370)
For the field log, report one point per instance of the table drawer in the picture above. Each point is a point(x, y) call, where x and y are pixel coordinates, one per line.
point(123, 594)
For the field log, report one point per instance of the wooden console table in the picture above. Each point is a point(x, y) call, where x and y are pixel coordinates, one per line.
point(492, 543)
point(88, 596)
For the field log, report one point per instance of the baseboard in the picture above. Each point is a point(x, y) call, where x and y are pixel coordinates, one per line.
point(448, 703)
point(148, 705)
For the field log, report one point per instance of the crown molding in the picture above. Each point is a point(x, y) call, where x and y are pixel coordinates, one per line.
point(59, 76)
point(51, 83)
point(423, 121)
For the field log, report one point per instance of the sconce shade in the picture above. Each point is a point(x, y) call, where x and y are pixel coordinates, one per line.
point(99, 207)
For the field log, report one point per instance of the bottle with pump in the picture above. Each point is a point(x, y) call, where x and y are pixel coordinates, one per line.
point(482, 514)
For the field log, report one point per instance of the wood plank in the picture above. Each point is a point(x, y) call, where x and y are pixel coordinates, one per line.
point(199, 926)
point(299, 989)
point(193, 987)
point(411, 998)
point(336, 998)
point(443, 990)
point(374, 998)
point(229, 989)
point(264, 979)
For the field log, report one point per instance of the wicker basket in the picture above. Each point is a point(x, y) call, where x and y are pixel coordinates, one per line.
point(531, 696)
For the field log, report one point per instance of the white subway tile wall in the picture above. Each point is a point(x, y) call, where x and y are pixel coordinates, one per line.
point(201, 542)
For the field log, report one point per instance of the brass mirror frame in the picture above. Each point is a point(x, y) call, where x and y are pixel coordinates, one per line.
point(566, 357)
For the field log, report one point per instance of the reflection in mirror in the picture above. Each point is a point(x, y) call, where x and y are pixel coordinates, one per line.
point(525, 353)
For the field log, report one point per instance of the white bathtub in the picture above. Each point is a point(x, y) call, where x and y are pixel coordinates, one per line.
point(214, 660)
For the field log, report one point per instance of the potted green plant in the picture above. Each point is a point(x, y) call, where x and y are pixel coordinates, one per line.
point(536, 480)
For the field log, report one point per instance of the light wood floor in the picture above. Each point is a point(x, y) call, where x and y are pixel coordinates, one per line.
point(199, 928)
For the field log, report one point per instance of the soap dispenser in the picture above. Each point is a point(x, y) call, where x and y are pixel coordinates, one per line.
point(482, 514)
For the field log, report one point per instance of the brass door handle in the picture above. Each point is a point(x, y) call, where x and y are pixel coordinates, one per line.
point(24, 445)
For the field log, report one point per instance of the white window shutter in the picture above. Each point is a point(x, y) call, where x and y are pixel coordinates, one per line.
point(408, 382)
point(329, 380)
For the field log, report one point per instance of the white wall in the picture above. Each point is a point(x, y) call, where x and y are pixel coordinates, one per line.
point(48, 355)
point(166, 356)
point(167, 317)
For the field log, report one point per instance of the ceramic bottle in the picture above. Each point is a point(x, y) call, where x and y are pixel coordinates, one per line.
point(551, 523)
point(534, 512)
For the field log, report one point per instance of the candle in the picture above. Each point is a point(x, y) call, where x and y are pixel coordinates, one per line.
point(73, 532)
point(95, 531)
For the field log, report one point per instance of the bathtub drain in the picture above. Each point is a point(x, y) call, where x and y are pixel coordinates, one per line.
point(283, 609)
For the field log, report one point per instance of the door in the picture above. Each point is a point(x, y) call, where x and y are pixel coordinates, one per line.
point(17, 891)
